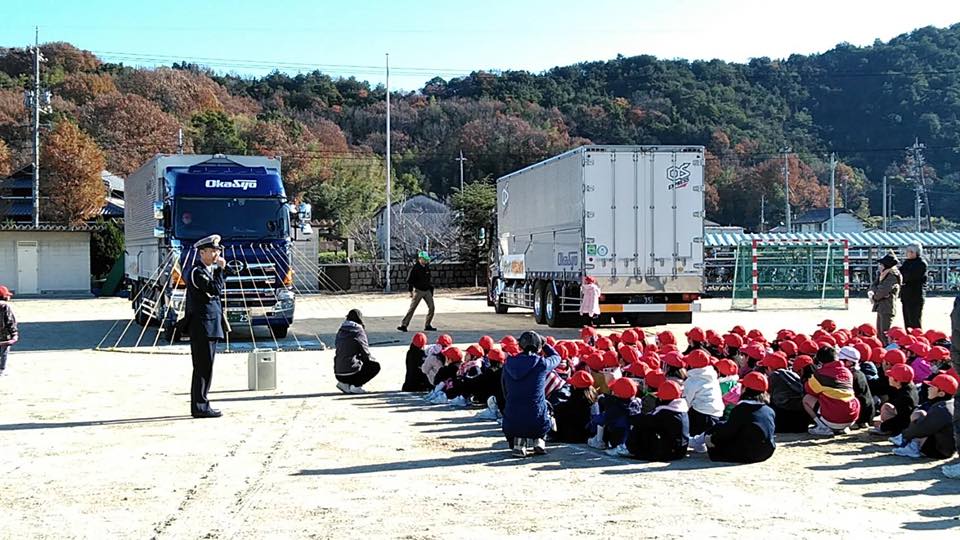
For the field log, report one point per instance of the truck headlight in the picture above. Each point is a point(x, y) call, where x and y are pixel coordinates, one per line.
point(284, 299)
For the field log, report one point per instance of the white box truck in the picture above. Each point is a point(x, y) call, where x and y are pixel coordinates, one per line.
point(629, 216)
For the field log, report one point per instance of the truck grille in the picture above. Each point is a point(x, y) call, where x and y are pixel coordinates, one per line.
point(250, 285)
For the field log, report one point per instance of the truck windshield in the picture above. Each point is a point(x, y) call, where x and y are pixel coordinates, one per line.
point(196, 217)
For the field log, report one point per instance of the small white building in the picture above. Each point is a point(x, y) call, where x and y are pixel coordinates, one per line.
point(45, 260)
point(418, 223)
point(817, 220)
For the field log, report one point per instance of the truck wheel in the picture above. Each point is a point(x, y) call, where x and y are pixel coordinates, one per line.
point(552, 308)
point(539, 307)
point(499, 307)
point(280, 331)
point(496, 299)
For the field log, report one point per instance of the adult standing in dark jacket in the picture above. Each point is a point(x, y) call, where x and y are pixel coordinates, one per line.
point(526, 417)
point(953, 470)
point(353, 366)
point(204, 321)
point(9, 335)
point(421, 288)
point(914, 272)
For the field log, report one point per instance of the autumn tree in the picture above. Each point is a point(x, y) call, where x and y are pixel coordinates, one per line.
point(70, 167)
point(178, 92)
point(213, 132)
point(130, 128)
point(6, 159)
point(81, 88)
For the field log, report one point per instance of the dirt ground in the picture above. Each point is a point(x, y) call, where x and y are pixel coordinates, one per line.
point(97, 444)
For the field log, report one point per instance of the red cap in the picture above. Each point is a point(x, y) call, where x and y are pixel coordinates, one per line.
point(901, 373)
point(655, 378)
point(696, 334)
point(475, 351)
point(828, 325)
point(5, 292)
point(604, 344)
point(651, 348)
point(895, 333)
point(594, 361)
point(894, 357)
point(867, 330)
point(624, 388)
point(919, 349)
point(615, 338)
point(739, 330)
point(905, 341)
point(733, 341)
point(808, 347)
point(789, 348)
point(773, 361)
point(873, 342)
point(444, 340)
point(629, 337)
point(581, 380)
point(610, 359)
point(938, 354)
point(666, 338)
point(588, 332)
point(508, 339)
point(866, 352)
point(754, 351)
point(714, 338)
point(785, 334)
point(637, 368)
point(697, 358)
point(511, 348)
point(727, 367)
point(755, 381)
point(453, 354)
point(486, 342)
point(496, 355)
point(934, 336)
point(583, 349)
point(669, 391)
point(801, 363)
point(946, 384)
point(878, 354)
point(668, 348)
point(419, 340)
point(827, 341)
point(551, 341)
point(756, 335)
point(673, 359)
point(915, 332)
point(629, 354)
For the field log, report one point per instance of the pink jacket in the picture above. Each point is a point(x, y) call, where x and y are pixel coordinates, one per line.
point(590, 304)
point(921, 370)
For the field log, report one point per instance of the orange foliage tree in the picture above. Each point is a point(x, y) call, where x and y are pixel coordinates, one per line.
point(70, 167)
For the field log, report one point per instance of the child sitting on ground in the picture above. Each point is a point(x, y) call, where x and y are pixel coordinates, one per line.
point(489, 387)
point(729, 384)
point(850, 357)
point(930, 432)
point(702, 392)
point(616, 410)
point(830, 400)
point(895, 414)
point(662, 435)
point(433, 362)
point(444, 379)
point(572, 415)
point(786, 395)
point(748, 436)
point(415, 379)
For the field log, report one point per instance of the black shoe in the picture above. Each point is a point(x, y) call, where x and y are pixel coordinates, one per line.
point(210, 413)
point(402, 328)
point(429, 329)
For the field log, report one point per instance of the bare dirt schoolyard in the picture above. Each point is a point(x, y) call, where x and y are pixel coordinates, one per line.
point(97, 444)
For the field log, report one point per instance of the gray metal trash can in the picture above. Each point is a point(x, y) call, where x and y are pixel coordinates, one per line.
point(262, 370)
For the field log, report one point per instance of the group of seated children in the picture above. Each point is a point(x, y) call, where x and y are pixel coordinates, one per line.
point(725, 395)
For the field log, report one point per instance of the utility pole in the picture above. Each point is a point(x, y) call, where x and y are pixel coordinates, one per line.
point(180, 140)
point(885, 199)
point(37, 100)
point(833, 192)
point(763, 217)
point(921, 184)
point(786, 185)
point(389, 207)
point(461, 159)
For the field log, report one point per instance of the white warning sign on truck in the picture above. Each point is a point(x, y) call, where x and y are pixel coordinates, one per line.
point(513, 267)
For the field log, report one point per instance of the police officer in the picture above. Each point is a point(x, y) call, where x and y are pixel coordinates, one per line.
point(204, 321)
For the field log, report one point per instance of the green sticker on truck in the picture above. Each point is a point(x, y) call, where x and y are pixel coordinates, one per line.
point(591, 250)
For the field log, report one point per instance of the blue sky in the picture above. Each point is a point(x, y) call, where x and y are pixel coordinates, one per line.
point(427, 38)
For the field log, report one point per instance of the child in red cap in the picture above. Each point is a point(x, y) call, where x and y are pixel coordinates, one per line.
point(432, 363)
point(572, 413)
point(748, 436)
point(444, 379)
point(930, 432)
point(830, 400)
point(702, 392)
point(415, 379)
point(464, 384)
point(616, 410)
point(489, 387)
point(664, 433)
point(729, 382)
point(904, 398)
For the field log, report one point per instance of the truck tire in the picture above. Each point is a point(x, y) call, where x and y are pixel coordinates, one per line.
point(497, 302)
point(552, 313)
point(539, 306)
point(280, 331)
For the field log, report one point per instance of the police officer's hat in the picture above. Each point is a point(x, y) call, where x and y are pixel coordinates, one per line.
point(212, 241)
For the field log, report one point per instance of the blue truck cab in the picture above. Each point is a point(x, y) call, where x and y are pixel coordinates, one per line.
point(175, 200)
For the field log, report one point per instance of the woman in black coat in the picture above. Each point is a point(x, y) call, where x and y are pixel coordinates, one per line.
point(914, 272)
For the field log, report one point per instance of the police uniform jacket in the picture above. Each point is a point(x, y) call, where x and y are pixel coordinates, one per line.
point(204, 311)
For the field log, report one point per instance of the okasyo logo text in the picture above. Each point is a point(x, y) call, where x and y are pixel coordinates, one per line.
point(231, 184)
point(678, 176)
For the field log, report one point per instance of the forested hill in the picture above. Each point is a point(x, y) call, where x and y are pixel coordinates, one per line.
point(864, 103)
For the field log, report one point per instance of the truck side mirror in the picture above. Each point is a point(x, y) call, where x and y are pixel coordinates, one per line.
point(159, 232)
point(158, 208)
point(305, 210)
